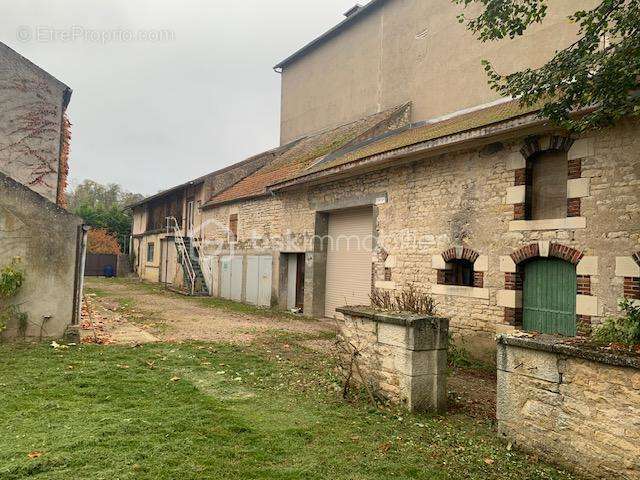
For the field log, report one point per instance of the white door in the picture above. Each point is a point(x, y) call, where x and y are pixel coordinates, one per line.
point(225, 277)
point(349, 259)
point(292, 270)
point(253, 273)
point(236, 279)
point(209, 265)
point(264, 282)
point(168, 262)
point(258, 284)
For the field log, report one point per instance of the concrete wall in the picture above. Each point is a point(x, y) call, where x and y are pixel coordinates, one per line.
point(462, 198)
point(31, 102)
point(580, 412)
point(409, 50)
point(44, 237)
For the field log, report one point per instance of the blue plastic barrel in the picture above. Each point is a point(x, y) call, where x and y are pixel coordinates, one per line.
point(108, 271)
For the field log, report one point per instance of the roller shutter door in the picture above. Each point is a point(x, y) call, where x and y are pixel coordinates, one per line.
point(349, 257)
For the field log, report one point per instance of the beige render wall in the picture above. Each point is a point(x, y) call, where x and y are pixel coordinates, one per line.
point(382, 60)
point(44, 237)
point(30, 124)
point(461, 198)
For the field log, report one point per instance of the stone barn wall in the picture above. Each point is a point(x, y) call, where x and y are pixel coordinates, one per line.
point(573, 406)
point(468, 199)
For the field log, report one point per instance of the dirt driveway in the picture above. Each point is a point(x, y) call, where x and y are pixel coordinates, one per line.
point(127, 311)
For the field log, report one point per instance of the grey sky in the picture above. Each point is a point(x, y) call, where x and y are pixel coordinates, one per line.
point(149, 115)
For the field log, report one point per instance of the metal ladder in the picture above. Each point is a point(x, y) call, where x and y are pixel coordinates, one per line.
point(174, 227)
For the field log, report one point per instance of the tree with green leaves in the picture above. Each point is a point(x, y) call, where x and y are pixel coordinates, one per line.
point(104, 207)
point(598, 74)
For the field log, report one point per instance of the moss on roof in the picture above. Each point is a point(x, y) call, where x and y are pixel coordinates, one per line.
point(431, 131)
point(305, 153)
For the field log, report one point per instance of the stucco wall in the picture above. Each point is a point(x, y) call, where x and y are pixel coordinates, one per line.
point(31, 103)
point(44, 237)
point(578, 412)
point(462, 197)
point(408, 50)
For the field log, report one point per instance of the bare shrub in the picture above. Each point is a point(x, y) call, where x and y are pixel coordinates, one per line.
point(407, 300)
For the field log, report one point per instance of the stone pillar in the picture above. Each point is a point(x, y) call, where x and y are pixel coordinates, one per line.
point(406, 355)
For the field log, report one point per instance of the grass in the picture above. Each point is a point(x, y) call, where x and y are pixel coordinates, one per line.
point(264, 411)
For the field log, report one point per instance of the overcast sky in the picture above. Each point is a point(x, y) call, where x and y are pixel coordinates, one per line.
point(152, 114)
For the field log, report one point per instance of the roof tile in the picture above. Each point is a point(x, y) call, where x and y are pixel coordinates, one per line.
point(305, 153)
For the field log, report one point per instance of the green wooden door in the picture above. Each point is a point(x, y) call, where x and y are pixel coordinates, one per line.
point(550, 297)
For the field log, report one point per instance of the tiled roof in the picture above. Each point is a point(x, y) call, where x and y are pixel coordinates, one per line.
point(431, 131)
point(300, 156)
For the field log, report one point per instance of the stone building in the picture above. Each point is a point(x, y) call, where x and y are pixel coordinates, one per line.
point(506, 220)
point(35, 228)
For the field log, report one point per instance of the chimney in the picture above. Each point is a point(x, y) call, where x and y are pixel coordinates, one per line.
point(355, 9)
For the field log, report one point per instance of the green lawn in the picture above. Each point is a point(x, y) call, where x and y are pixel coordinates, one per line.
point(269, 410)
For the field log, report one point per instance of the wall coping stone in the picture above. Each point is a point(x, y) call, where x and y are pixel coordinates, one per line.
point(553, 344)
point(393, 318)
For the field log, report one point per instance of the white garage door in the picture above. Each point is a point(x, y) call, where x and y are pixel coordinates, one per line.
point(349, 259)
point(258, 290)
point(231, 278)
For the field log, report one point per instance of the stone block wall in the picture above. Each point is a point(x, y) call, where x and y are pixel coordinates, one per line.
point(403, 357)
point(466, 198)
point(573, 406)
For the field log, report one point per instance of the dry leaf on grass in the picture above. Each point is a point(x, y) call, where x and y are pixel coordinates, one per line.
point(35, 454)
point(384, 448)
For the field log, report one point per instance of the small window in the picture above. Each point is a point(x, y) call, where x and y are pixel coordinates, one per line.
point(150, 252)
point(233, 227)
point(461, 273)
point(549, 173)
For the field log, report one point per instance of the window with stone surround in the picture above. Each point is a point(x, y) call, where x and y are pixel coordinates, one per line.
point(547, 195)
point(233, 227)
point(548, 187)
point(460, 267)
point(460, 272)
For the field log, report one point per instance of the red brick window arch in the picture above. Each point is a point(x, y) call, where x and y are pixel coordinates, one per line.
point(459, 268)
point(543, 178)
